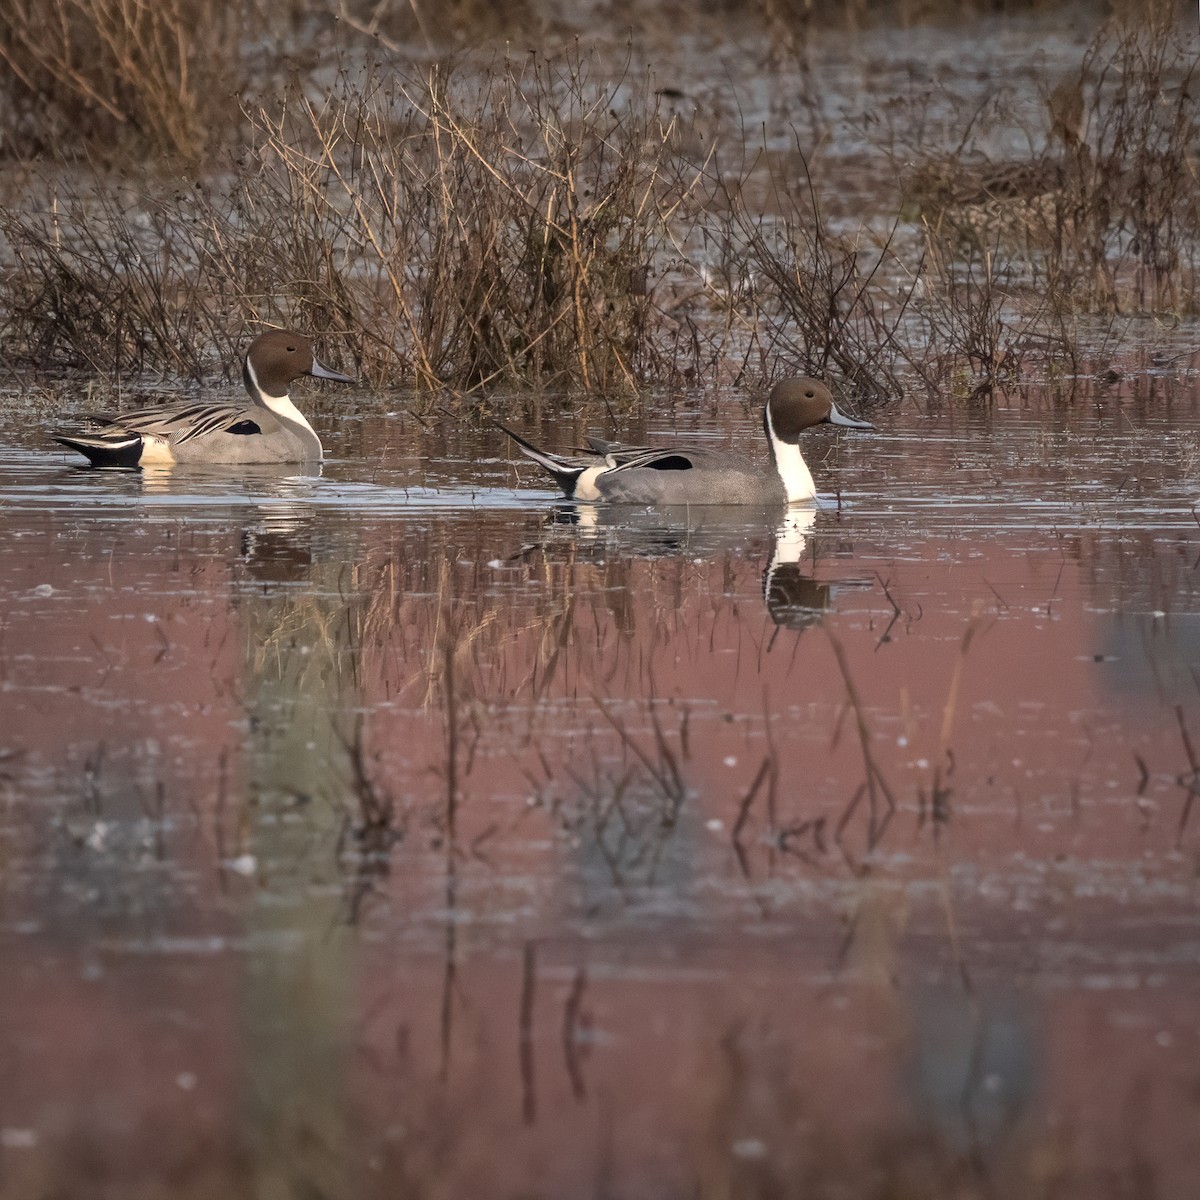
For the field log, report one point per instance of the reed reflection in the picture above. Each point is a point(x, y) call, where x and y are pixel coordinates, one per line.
point(300, 688)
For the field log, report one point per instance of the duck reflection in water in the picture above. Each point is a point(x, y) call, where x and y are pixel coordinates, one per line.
point(277, 547)
point(274, 503)
point(795, 599)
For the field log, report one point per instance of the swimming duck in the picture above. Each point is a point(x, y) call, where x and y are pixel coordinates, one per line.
point(617, 474)
point(270, 429)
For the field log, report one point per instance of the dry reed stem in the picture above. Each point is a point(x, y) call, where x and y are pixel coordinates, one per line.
point(111, 70)
point(876, 784)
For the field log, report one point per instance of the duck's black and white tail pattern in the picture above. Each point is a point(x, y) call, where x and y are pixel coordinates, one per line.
point(566, 471)
point(106, 449)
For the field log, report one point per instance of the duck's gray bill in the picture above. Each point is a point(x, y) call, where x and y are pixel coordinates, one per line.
point(837, 417)
point(325, 373)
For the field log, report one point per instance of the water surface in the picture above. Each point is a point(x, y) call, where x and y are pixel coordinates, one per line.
point(396, 829)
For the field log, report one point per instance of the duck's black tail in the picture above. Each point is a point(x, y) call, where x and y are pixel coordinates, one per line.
point(565, 471)
point(105, 449)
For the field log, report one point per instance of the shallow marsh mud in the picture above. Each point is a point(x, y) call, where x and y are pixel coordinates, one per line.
point(393, 829)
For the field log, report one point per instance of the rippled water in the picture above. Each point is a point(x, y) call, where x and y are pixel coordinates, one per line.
point(398, 830)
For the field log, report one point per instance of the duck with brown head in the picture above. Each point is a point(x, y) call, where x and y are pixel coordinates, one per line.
point(702, 475)
point(270, 429)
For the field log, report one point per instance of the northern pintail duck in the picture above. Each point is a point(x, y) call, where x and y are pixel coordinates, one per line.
point(687, 475)
point(270, 429)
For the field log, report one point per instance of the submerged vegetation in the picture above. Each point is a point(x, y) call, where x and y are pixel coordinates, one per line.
point(560, 219)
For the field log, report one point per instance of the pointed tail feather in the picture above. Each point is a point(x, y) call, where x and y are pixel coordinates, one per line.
point(566, 473)
point(105, 450)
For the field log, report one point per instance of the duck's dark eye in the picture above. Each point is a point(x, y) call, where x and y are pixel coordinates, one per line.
point(810, 395)
point(291, 349)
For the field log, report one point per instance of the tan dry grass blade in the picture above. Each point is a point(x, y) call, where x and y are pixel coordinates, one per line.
point(111, 72)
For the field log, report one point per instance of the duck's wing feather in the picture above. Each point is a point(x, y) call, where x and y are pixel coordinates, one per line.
point(183, 422)
point(614, 450)
point(631, 474)
point(664, 458)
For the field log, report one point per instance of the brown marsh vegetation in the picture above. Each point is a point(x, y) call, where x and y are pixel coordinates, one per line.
point(461, 221)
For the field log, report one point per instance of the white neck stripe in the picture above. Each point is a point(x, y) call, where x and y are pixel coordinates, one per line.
point(281, 406)
point(793, 470)
point(252, 376)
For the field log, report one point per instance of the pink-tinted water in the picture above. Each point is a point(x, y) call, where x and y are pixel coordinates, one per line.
point(396, 831)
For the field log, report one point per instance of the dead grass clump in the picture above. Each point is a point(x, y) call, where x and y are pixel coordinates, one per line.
point(474, 230)
point(1104, 214)
point(1131, 210)
point(981, 329)
point(546, 222)
point(824, 302)
point(460, 231)
point(100, 283)
point(107, 73)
